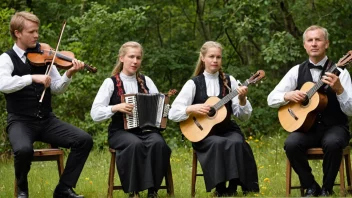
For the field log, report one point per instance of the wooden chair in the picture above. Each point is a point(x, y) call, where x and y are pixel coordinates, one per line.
point(194, 174)
point(317, 154)
point(169, 185)
point(48, 154)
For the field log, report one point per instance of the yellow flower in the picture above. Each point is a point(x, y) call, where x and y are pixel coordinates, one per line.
point(87, 178)
point(267, 180)
point(256, 140)
point(250, 137)
point(90, 182)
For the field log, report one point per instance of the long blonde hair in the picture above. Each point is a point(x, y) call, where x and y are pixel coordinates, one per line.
point(119, 65)
point(200, 66)
point(18, 19)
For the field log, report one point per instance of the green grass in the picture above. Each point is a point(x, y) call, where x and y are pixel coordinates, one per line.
point(269, 154)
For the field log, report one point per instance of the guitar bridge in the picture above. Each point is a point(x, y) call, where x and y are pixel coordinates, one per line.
point(292, 114)
point(197, 123)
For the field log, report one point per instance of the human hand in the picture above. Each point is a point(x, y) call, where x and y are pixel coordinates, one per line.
point(42, 79)
point(77, 66)
point(201, 109)
point(333, 81)
point(242, 93)
point(123, 107)
point(295, 96)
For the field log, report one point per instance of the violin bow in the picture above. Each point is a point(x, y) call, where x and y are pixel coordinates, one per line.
point(48, 69)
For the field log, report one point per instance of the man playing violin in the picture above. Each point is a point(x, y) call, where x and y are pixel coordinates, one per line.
point(30, 120)
point(330, 129)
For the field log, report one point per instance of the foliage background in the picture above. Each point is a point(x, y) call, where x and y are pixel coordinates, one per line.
point(256, 34)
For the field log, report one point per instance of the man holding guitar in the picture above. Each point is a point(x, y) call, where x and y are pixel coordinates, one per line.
point(326, 124)
point(224, 154)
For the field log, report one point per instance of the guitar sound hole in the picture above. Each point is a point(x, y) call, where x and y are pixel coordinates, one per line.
point(305, 102)
point(211, 112)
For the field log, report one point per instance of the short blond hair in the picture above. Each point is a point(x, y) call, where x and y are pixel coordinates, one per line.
point(316, 27)
point(18, 19)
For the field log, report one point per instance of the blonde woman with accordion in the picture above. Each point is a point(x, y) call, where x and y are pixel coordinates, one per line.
point(142, 155)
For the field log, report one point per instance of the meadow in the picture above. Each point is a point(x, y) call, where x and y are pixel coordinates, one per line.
point(268, 151)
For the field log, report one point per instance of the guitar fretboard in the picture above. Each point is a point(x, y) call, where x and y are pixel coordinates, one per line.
point(228, 97)
point(320, 83)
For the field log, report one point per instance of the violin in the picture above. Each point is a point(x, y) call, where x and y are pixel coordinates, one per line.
point(43, 54)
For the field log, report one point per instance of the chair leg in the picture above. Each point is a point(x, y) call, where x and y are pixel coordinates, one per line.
point(111, 175)
point(16, 189)
point(60, 164)
point(194, 174)
point(348, 172)
point(288, 178)
point(342, 178)
point(169, 182)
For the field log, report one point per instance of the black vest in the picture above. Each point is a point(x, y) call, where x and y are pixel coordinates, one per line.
point(332, 114)
point(201, 96)
point(26, 100)
point(117, 119)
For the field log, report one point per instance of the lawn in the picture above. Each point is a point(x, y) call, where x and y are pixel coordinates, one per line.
point(268, 151)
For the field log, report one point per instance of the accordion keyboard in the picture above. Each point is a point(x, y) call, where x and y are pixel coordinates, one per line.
point(132, 120)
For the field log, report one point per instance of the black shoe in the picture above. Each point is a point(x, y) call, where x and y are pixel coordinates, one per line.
point(325, 192)
point(313, 191)
point(66, 193)
point(22, 194)
point(152, 195)
point(133, 195)
point(231, 192)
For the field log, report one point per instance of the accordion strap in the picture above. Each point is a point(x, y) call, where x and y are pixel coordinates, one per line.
point(119, 85)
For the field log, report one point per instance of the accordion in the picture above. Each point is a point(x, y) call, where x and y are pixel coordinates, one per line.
point(150, 111)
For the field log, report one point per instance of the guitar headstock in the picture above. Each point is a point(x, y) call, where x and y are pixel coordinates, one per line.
point(345, 60)
point(171, 92)
point(259, 75)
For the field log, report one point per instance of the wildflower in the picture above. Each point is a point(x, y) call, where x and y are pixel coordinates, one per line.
point(256, 140)
point(267, 180)
point(250, 137)
point(87, 178)
point(91, 182)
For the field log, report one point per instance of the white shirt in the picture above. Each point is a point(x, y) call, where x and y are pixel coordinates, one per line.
point(101, 110)
point(10, 84)
point(289, 83)
point(185, 98)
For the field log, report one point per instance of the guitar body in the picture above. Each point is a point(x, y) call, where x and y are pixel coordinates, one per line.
point(197, 127)
point(299, 117)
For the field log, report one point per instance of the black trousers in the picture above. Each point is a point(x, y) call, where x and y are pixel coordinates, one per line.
point(23, 131)
point(332, 139)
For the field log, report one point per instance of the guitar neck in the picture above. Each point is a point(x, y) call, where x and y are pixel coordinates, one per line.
point(228, 97)
point(320, 83)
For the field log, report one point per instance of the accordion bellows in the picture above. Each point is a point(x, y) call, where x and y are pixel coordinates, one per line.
point(150, 111)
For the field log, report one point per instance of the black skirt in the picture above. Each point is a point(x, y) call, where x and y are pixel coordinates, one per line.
point(227, 156)
point(142, 159)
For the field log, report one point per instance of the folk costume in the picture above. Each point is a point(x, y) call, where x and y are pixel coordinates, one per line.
point(29, 121)
point(224, 155)
point(142, 158)
point(330, 130)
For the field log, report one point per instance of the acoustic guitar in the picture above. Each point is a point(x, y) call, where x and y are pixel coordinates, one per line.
point(197, 127)
point(301, 116)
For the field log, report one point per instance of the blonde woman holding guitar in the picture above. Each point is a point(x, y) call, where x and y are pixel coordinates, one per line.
point(327, 125)
point(224, 154)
